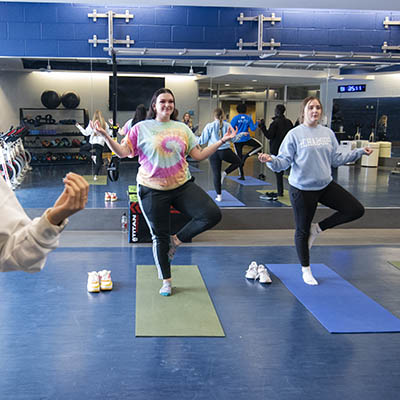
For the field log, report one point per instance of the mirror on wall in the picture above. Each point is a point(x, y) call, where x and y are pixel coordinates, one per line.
point(30, 93)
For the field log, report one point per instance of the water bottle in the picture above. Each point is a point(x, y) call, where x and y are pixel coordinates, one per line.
point(124, 223)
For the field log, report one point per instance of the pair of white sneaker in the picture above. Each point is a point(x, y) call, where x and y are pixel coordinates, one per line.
point(259, 272)
point(99, 281)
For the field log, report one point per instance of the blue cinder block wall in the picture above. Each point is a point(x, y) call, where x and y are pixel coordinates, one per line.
point(63, 29)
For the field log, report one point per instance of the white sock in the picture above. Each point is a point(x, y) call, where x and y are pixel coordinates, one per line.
point(223, 176)
point(308, 276)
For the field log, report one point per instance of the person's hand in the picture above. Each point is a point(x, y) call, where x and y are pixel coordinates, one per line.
point(230, 134)
point(72, 199)
point(77, 125)
point(263, 157)
point(368, 150)
point(99, 130)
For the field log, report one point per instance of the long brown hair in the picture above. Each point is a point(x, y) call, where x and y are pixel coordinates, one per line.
point(219, 113)
point(304, 104)
point(152, 112)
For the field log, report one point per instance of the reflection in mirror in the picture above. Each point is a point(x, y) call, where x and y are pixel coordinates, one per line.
point(55, 147)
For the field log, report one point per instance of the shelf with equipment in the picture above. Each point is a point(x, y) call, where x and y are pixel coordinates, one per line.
point(53, 137)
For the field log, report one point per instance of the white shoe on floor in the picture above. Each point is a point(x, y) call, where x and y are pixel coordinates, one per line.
point(105, 280)
point(251, 272)
point(95, 177)
point(263, 275)
point(93, 283)
point(315, 230)
point(219, 197)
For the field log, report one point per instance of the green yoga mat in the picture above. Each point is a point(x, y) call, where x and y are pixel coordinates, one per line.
point(101, 179)
point(395, 263)
point(188, 312)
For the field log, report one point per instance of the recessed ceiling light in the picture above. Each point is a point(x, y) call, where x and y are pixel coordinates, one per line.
point(254, 80)
point(227, 84)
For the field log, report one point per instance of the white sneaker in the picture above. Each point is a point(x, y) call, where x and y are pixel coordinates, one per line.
point(315, 230)
point(219, 197)
point(251, 272)
point(93, 283)
point(95, 177)
point(263, 275)
point(105, 280)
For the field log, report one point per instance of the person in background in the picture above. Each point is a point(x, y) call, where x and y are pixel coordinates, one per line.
point(140, 115)
point(382, 128)
point(243, 122)
point(212, 133)
point(25, 243)
point(311, 150)
point(276, 133)
point(162, 145)
point(187, 120)
point(96, 141)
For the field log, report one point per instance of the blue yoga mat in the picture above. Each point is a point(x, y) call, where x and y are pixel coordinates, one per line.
point(227, 199)
point(249, 181)
point(338, 306)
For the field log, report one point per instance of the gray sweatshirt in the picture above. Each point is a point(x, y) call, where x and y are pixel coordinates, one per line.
point(311, 152)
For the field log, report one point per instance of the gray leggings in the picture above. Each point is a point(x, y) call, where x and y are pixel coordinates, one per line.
point(304, 203)
point(191, 201)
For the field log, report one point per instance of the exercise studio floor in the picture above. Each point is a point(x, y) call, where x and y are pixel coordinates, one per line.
point(60, 342)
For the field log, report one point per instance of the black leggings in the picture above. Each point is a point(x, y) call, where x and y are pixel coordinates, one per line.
point(255, 145)
point(216, 162)
point(86, 150)
point(191, 201)
point(304, 204)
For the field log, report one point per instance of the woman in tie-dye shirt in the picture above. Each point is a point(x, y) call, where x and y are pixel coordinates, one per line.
point(162, 145)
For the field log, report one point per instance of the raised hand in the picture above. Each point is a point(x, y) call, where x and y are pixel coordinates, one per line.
point(368, 150)
point(99, 130)
point(230, 134)
point(73, 199)
point(263, 157)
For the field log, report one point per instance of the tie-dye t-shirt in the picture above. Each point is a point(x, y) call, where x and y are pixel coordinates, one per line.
point(162, 148)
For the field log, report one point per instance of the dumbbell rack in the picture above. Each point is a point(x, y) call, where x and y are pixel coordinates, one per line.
point(45, 140)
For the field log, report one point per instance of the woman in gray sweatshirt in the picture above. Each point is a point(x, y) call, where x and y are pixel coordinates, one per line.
point(311, 150)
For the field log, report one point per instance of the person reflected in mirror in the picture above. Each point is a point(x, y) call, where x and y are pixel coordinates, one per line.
point(95, 142)
point(25, 243)
point(276, 132)
point(140, 115)
point(187, 120)
point(162, 144)
point(382, 128)
point(243, 123)
point(212, 133)
point(311, 150)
